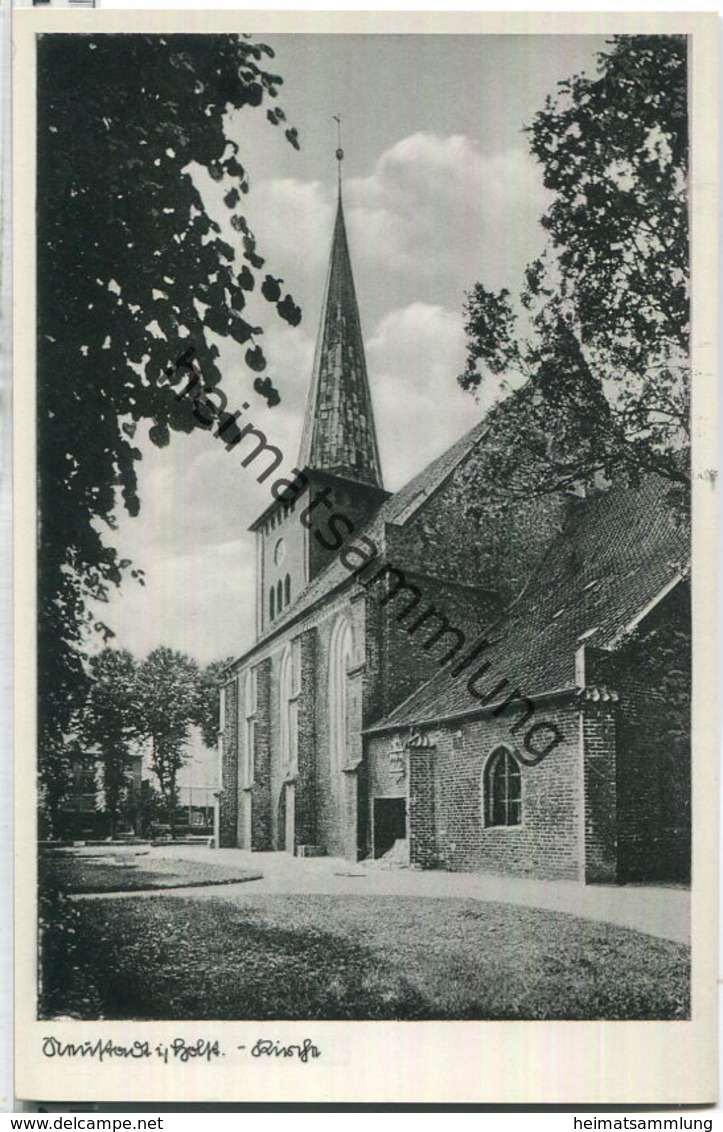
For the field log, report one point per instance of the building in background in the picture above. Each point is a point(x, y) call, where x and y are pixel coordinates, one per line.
point(83, 815)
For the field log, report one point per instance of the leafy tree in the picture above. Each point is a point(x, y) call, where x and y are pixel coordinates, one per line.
point(109, 723)
point(151, 807)
point(550, 433)
point(55, 780)
point(131, 272)
point(208, 718)
point(614, 150)
point(168, 698)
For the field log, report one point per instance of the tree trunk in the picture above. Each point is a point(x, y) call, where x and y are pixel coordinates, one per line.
point(172, 802)
point(112, 773)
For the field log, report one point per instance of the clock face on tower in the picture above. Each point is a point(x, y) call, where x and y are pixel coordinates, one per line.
point(279, 552)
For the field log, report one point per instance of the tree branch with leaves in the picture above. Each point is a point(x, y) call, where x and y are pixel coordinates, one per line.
point(614, 151)
point(131, 270)
point(108, 723)
point(169, 691)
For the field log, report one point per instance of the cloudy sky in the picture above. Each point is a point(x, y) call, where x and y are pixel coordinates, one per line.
point(439, 191)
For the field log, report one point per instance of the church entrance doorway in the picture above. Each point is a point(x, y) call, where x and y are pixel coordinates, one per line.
point(390, 823)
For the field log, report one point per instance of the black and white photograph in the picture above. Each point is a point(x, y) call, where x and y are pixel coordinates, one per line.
point(364, 445)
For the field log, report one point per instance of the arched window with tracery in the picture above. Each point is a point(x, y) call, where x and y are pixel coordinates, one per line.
point(502, 789)
point(289, 692)
point(340, 655)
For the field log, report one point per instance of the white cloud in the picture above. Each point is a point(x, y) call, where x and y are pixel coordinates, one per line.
point(413, 357)
point(201, 601)
point(293, 222)
point(435, 215)
point(440, 208)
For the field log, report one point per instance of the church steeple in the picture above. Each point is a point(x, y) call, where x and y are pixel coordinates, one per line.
point(339, 466)
point(339, 435)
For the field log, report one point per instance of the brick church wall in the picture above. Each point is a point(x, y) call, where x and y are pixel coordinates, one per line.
point(346, 835)
point(422, 807)
point(653, 793)
point(253, 828)
point(325, 785)
point(652, 677)
point(466, 562)
point(406, 663)
point(461, 535)
point(261, 790)
point(276, 772)
point(374, 667)
point(228, 799)
point(396, 661)
point(306, 807)
point(637, 828)
point(601, 825)
point(643, 795)
point(327, 804)
point(446, 803)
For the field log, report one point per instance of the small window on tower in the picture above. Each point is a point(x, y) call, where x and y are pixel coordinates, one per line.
point(279, 597)
point(271, 603)
point(287, 590)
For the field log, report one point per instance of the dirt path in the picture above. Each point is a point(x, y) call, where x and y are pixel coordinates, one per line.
point(659, 911)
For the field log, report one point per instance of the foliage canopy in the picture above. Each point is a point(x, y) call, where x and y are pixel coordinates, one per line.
point(108, 721)
point(131, 705)
point(614, 151)
point(131, 269)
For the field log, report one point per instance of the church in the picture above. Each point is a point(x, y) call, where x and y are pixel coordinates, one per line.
point(464, 686)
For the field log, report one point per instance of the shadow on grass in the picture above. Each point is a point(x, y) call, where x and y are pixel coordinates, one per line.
point(153, 960)
point(342, 958)
point(74, 875)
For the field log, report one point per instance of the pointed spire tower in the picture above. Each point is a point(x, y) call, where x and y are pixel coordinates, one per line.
point(340, 480)
point(339, 435)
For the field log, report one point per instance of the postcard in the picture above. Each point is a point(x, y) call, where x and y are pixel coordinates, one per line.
point(366, 496)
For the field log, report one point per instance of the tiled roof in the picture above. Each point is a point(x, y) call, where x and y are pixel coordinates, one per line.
point(618, 550)
point(398, 508)
point(339, 434)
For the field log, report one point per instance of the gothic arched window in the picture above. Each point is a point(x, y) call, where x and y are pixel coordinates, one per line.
point(502, 789)
point(289, 691)
point(287, 590)
point(272, 604)
point(279, 597)
point(340, 654)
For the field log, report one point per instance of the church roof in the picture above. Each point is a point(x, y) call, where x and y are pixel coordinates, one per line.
point(339, 434)
point(618, 553)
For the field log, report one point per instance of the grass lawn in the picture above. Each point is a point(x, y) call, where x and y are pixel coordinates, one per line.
point(351, 957)
point(124, 873)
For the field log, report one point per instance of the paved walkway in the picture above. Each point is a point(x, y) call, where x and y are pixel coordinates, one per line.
point(656, 910)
